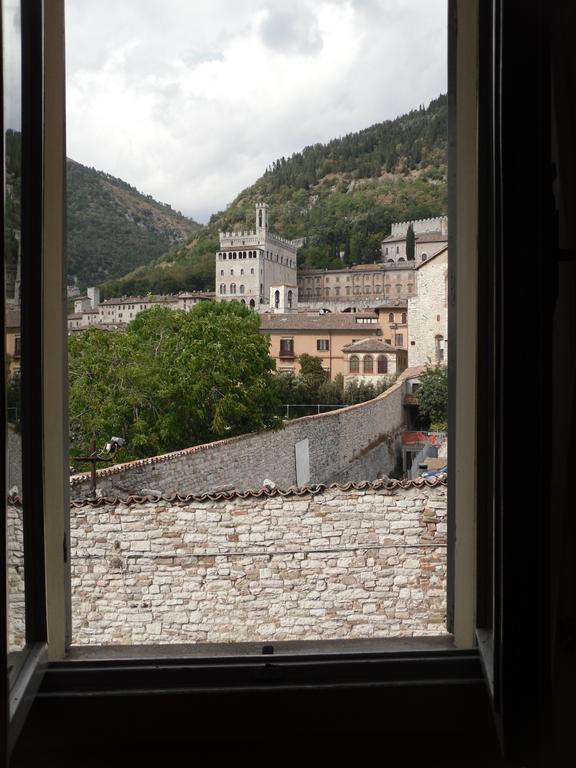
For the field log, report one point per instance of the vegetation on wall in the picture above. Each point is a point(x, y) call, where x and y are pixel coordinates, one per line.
point(433, 397)
point(311, 387)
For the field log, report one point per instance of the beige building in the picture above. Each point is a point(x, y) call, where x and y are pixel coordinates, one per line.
point(428, 311)
point(372, 361)
point(325, 335)
point(362, 286)
point(249, 263)
point(117, 313)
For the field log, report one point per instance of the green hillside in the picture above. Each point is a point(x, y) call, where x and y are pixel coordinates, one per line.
point(341, 196)
point(112, 228)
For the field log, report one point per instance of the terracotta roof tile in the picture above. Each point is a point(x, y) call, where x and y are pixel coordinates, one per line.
point(368, 345)
point(310, 322)
point(305, 490)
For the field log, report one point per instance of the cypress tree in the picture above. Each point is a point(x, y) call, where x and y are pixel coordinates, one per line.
point(410, 243)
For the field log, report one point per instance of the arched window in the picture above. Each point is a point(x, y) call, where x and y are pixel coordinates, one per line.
point(401, 259)
point(290, 299)
point(222, 288)
point(368, 364)
point(252, 304)
point(221, 273)
point(382, 364)
point(224, 256)
point(243, 301)
point(241, 271)
point(231, 271)
point(390, 261)
point(391, 317)
point(234, 255)
point(232, 287)
point(276, 299)
point(354, 364)
point(404, 318)
point(241, 289)
point(252, 271)
point(424, 256)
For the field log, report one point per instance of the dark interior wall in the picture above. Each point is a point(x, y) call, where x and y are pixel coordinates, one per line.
point(562, 515)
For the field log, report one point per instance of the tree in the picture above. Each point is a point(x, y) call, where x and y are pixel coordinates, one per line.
point(410, 243)
point(172, 380)
point(433, 396)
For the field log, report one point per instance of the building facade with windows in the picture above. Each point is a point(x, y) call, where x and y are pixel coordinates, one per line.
point(360, 286)
point(118, 312)
point(249, 263)
point(373, 361)
point(326, 335)
point(431, 235)
point(428, 311)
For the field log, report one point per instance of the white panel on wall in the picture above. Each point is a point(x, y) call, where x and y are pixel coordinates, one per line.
point(302, 462)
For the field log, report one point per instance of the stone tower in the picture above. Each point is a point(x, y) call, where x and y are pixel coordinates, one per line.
point(261, 217)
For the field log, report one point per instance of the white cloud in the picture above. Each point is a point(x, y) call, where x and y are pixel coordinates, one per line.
point(191, 101)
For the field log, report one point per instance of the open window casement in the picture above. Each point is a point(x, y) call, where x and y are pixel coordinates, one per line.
point(500, 184)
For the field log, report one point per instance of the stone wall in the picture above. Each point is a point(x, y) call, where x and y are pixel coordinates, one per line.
point(339, 445)
point(366, 561)
point(16, 619)
point(428, 312)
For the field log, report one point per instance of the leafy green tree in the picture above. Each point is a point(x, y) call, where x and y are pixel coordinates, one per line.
point(433, 396)
point(410, 243)
point(172, 380)
point(332, 392)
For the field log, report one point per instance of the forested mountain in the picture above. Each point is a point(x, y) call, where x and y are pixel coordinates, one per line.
point(341, 196)
point(112, 228)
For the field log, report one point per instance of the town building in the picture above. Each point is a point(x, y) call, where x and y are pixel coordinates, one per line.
point(249, 263)
point(116, 313)
point(431, 235)
point(373, 361)
point(360, 286)
point(326, 334)
point(428, 312)
point(363, 285)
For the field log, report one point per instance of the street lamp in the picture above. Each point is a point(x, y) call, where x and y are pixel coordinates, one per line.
point(111, 447)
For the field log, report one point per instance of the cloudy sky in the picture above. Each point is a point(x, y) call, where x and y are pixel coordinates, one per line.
point(191, 100)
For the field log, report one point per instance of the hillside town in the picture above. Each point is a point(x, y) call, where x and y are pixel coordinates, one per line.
point(366, 321)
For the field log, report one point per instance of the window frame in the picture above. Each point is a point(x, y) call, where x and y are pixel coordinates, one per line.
point(76, 680)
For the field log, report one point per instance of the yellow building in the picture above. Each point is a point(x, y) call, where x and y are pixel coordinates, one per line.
point(325, 335)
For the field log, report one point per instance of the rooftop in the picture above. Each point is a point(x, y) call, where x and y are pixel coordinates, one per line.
point(324, 322)
point(369, 345)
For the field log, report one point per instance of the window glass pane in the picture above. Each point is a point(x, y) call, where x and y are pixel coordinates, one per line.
point(210, 384)
point(12, 318)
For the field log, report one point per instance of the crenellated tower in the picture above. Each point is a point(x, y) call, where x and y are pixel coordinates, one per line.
point(261, 217)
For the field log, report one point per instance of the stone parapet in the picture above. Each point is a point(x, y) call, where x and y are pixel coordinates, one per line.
point(345, 562)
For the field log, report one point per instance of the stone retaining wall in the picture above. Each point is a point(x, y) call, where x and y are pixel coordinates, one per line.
point(339, 450)
point(366, 561)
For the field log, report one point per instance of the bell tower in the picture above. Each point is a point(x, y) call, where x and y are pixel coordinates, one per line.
point(261, 217)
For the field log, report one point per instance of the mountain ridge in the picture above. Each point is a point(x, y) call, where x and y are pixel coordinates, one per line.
point(112, 228)
point(341, 196)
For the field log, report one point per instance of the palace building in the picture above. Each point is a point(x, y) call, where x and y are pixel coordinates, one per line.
point(248, 264)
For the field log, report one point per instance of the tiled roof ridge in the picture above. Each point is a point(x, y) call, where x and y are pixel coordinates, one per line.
point(305, 490)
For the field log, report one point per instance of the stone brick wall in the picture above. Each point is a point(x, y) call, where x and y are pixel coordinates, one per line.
point(366, 561)
point(15, 578)
point(428, 312)
point(339, 449)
